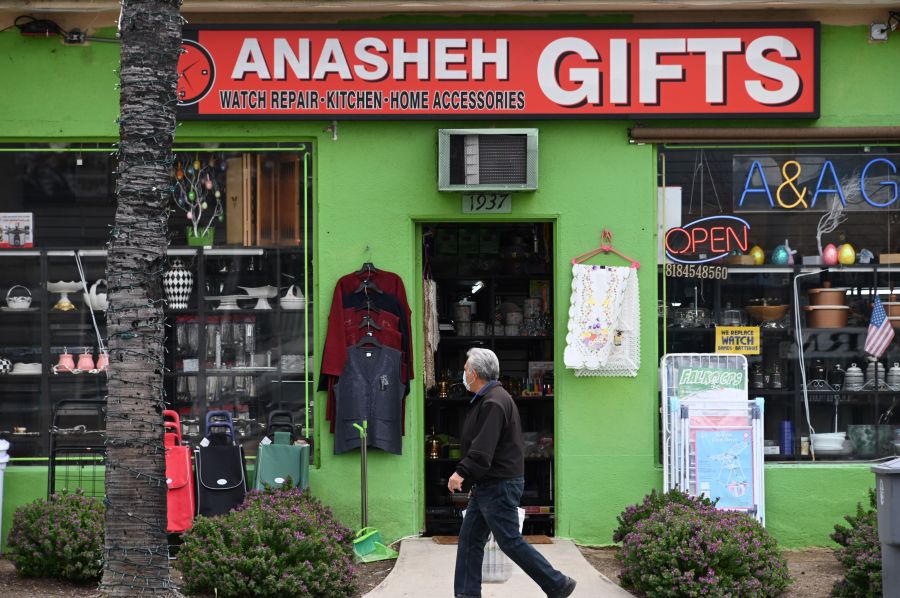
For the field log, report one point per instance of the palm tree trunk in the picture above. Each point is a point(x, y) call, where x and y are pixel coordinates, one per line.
point(136, 551)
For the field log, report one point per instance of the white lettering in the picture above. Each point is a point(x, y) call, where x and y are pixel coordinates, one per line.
point(332, 60)
point(548, 67)
point(651, 72)
point(402, 58)
point(788, 77)
point(619, 81)
point(370, 58)
point(284, 54)
point(443, 58)
point(250, 60)
point(715, 49)
point(499, 58)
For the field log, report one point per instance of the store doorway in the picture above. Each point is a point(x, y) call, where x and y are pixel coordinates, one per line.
point(492, 287)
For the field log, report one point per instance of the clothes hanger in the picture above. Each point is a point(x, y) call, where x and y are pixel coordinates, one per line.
point(369, 340)
point(367, 284)
point(368, 322)
point(605, 247)
point(367, 269)
point(369, 306)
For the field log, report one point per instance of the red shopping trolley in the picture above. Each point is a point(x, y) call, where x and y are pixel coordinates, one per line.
point(180, 500)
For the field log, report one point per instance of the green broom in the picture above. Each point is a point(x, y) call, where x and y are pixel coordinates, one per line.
point(367, 542)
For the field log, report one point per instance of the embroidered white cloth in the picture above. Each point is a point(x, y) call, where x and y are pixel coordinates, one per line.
point(604, 337)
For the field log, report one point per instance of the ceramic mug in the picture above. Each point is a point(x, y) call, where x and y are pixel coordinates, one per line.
point(66, 363)
point(85, 362)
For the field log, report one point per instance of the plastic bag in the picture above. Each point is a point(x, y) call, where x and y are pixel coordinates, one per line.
point(496, 566)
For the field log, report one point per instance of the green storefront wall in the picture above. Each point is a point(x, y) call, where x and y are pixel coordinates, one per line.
point(377, 182)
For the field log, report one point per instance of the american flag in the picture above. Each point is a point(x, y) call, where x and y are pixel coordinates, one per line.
point(881, 333)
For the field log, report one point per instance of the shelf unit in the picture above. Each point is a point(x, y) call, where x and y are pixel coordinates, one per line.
point(489, 272)
point(832, 345)
point(27, 401)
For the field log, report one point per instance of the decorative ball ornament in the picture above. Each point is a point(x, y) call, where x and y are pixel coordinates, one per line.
point(190, 216)
point(758, 255)
point(197, 165)
point(830, 255)
point(846, 254)
point(204, 205)
point(209, 184)
point(192, 196)
point(218, 194)
point(221, 217)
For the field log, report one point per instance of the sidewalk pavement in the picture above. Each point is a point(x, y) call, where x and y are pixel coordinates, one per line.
point(425, 568)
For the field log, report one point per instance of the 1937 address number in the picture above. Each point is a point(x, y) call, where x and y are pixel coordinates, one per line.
point(696, 271)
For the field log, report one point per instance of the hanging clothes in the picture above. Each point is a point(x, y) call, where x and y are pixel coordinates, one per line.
point(432, 333)
point(369, 388)
point(604, 322)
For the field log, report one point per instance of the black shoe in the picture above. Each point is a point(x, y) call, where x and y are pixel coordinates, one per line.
point(566, 590)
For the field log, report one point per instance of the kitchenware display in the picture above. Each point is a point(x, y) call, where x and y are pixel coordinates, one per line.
point(826, 316)
point(854, 378)
point(103, 361)
point(66, 362)
point(757, 376)
point(464, 328)
point(19, 301)
point(514, 318)
point(262, 294)
point(828, 441)
point(893, 376)
point(5, 366)
point(732, 317)
point(864, 440)
point(85, 361)
point(836, 377)
point(875, 374)
point(26, 369)
point(776, 377)
point(768, 312)
point(827, 295)
point(532, 307)
point(227, 302)
point(817, 371)
point(178, 283)
point(63, 288)
point(292, 299)
point(462, 313)
point(94, 299)
point(478, 328)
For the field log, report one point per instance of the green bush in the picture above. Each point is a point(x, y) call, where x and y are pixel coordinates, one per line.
point(859, 553)
point(690, 550)
point(279, 542)
point(652, 503)
point(61, 537)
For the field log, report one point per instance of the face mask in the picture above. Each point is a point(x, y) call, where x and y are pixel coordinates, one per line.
point(465, 382)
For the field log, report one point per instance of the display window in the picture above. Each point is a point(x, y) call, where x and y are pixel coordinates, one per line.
point(239, 335)
point(791, 257)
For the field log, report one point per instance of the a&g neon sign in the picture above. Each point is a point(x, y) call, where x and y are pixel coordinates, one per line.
point(859, 182)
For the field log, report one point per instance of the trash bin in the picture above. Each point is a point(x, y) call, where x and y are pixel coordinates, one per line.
point(4, 459)
point(887, 497)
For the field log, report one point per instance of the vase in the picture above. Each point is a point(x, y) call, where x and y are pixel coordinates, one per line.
point(178, 283)
point(203, 240)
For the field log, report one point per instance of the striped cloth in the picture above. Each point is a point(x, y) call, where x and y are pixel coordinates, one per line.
point(881, 333)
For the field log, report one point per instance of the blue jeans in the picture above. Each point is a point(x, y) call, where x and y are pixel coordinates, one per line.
point(493, 509)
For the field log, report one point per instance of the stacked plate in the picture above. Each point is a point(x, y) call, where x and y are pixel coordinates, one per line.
point(288, 303)
point(24, 369)
point(830, 443)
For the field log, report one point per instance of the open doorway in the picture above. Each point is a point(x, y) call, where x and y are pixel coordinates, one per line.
point(493, 289)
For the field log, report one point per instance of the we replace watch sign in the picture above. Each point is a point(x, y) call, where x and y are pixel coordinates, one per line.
point(666, 71)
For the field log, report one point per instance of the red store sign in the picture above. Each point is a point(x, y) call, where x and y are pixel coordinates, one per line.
point(760, 70)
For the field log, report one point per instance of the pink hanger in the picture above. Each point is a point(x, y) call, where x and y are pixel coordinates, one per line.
point(605, 247)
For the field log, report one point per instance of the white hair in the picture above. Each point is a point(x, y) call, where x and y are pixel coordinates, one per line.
point(485, 363)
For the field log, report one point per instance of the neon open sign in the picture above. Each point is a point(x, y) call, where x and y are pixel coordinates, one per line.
point(707, 239)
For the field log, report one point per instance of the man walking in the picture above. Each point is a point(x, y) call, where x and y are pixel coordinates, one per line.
point(493, 458)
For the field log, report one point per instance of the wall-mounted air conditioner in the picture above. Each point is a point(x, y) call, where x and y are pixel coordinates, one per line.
point(487, 159)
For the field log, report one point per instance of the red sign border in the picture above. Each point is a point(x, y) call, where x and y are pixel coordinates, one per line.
point(192, 32)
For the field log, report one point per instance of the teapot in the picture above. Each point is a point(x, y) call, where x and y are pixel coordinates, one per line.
point(85, 361)
point(66, 362)
point(97, 300)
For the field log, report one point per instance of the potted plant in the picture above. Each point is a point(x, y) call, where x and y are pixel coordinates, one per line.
point(199, 187)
